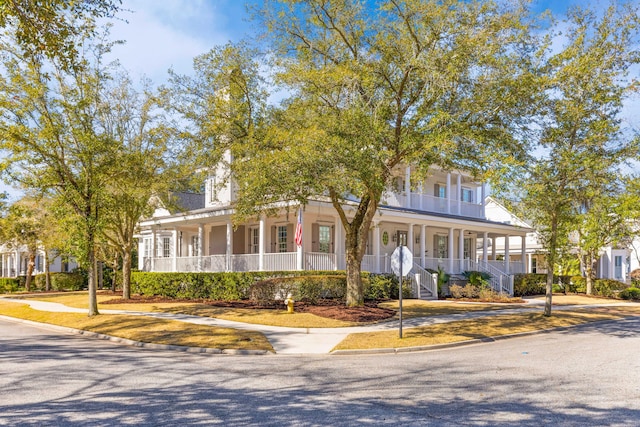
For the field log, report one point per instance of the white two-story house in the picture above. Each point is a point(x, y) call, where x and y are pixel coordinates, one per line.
point(441, 220)
point(14, 261)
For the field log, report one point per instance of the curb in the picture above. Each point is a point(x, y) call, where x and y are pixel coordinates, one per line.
point(138, 344)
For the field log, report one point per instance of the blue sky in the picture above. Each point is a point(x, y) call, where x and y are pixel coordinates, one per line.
point(169, 33)
point(163, 34)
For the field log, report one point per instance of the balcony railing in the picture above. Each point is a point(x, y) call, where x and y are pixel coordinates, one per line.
point(428, 203)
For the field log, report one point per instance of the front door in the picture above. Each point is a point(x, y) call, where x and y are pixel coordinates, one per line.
point(401, 238)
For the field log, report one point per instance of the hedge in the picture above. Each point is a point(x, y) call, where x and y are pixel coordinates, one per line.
point(9, 285)
point(262, 286)
point(631, 293)
point(535, 284)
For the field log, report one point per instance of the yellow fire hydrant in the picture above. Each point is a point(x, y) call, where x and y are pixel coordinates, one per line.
point(289, 303)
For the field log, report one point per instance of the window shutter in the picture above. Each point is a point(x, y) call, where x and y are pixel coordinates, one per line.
point(274, 242)
point(315, 237)
point(332, 248)
point(290, 239)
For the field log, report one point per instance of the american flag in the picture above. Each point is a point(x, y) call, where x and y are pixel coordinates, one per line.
point(298, 236)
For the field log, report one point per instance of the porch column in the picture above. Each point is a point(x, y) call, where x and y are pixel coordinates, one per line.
point(174, 258)
point(450, 251)
point(261, 244)
point(493, 248)
point(483, 195)
point(410, 242)
point(485, 249)
point(376, 246)
point(461, 249)
point(529, 264)
point(448, 192)
point(507, 255)
point(200, 245)
point(523, 253)
point(423, 243)
point(459, 193)
point(421, 197)
point(407, 187)
point(299, 251)
point(154, 249)
point(229, 245)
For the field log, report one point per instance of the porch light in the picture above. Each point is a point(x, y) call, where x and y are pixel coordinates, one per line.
point(417, 239)
point(393, 238)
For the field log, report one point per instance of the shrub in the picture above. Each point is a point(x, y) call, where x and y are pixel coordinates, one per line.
point(66, 282)
point(456, 291)
point(382, 286)
point(470, 291)
point(631, 293)
point(608, 287)
point(486, 293)
point(231, 286)
point(8, 284)
point(477, 278)
point(529, 284)
point(578, 284)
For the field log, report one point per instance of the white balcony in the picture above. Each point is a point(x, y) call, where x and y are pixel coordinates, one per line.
point(428, 203)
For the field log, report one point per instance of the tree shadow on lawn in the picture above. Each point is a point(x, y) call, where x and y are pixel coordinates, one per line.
point(83, 383)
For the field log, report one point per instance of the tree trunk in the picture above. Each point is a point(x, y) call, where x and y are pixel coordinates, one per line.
point(92, 266)
point(357, 233)
point(47, 271)
point(355, 290)
point(590, 273)
point(100, 273)
point(551, 261)
point(126, 274)
point(30, 266)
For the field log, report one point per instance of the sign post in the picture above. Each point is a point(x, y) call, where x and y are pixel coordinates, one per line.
point(401, 265)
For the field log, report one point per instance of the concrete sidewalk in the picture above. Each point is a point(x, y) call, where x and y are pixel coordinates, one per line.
point(309, 340)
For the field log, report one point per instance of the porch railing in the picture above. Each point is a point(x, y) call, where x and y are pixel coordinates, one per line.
point(287, 261)
point(320, 261)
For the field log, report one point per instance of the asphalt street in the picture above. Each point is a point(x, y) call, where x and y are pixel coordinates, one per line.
point(584, 376)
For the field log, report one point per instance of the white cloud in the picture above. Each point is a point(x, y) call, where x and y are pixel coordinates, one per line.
point(166, 34)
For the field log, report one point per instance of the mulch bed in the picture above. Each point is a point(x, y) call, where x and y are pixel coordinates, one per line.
point(332, 309)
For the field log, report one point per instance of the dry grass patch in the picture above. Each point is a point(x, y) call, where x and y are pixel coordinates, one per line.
point(481, 328)
point(259, 316)
point(419, 308)
point(253, 316)
point(78, 299)
point(145, 329)
point(561, 299)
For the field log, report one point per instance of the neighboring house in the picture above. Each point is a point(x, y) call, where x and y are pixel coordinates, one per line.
point(614, 263)
point(14, 260)
point(534, 254)
point(440, 220)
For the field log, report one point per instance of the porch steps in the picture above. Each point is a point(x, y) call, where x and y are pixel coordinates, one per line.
point(424, 285)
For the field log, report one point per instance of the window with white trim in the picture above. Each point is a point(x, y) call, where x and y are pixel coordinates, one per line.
point(282, 238)
point(467, 195)
point(324, 238)
point(254, 240)
point(195, 245)
point(166, 247)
